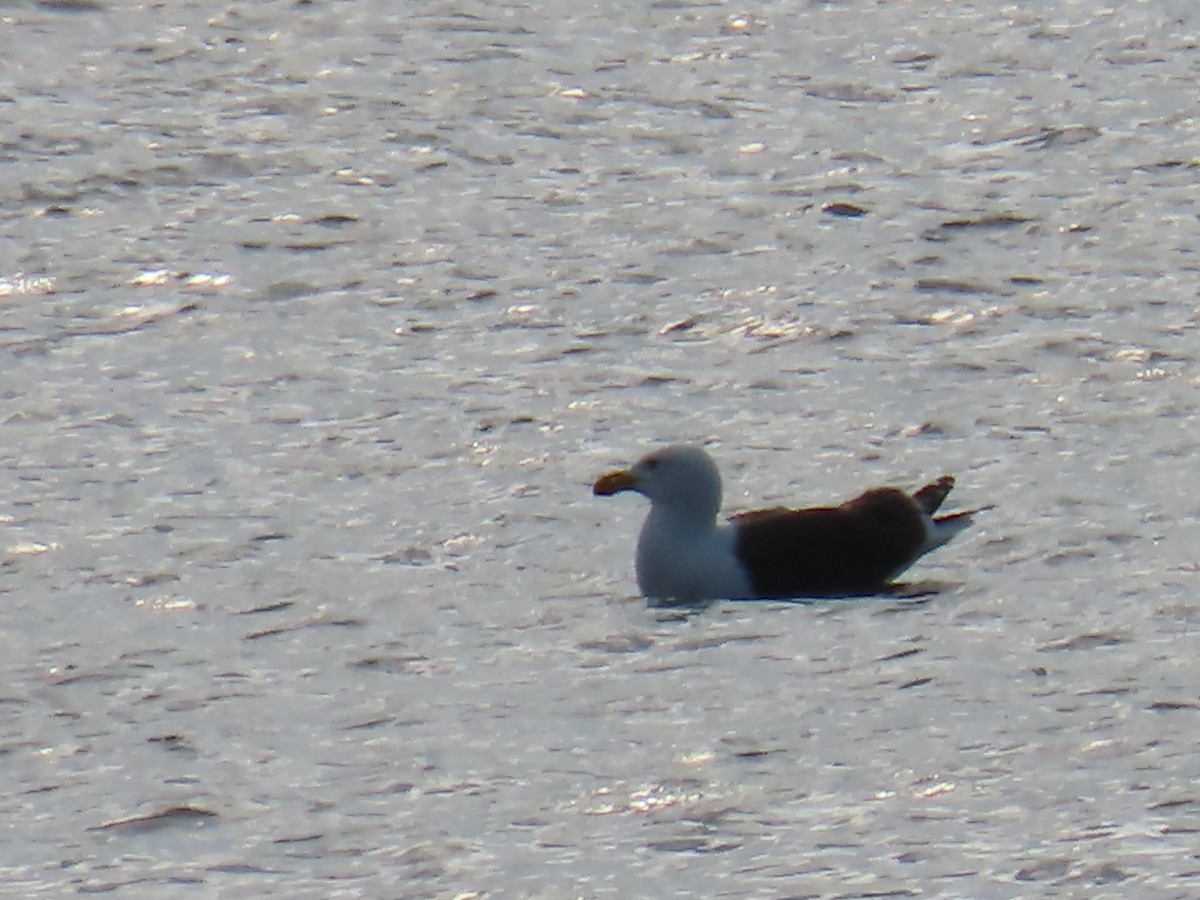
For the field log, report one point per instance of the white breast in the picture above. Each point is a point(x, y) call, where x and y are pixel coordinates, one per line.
point(678, 560)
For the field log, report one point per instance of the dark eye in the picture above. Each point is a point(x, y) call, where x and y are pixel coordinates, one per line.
point(652, 463)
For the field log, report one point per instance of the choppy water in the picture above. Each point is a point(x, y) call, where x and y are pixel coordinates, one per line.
point(318, 319)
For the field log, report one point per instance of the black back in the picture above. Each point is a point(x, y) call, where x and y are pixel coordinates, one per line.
point(835, 551)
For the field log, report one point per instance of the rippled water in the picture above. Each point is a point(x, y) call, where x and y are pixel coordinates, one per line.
point(319, 319)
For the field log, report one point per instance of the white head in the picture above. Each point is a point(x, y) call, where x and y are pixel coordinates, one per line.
point(680, 478)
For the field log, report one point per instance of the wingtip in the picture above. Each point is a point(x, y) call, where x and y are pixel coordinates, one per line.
point(930, 497)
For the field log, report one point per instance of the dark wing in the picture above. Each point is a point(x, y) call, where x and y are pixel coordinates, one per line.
point(836, 551)
point(930, 497)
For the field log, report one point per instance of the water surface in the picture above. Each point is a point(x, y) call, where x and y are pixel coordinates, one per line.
point(319, 321)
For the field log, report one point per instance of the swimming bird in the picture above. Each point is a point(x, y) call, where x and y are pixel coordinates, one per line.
point(685, 555)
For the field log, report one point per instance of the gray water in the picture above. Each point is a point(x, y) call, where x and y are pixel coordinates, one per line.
point(320, 318)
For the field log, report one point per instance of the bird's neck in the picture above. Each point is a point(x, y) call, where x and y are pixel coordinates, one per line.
point(681, 521)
